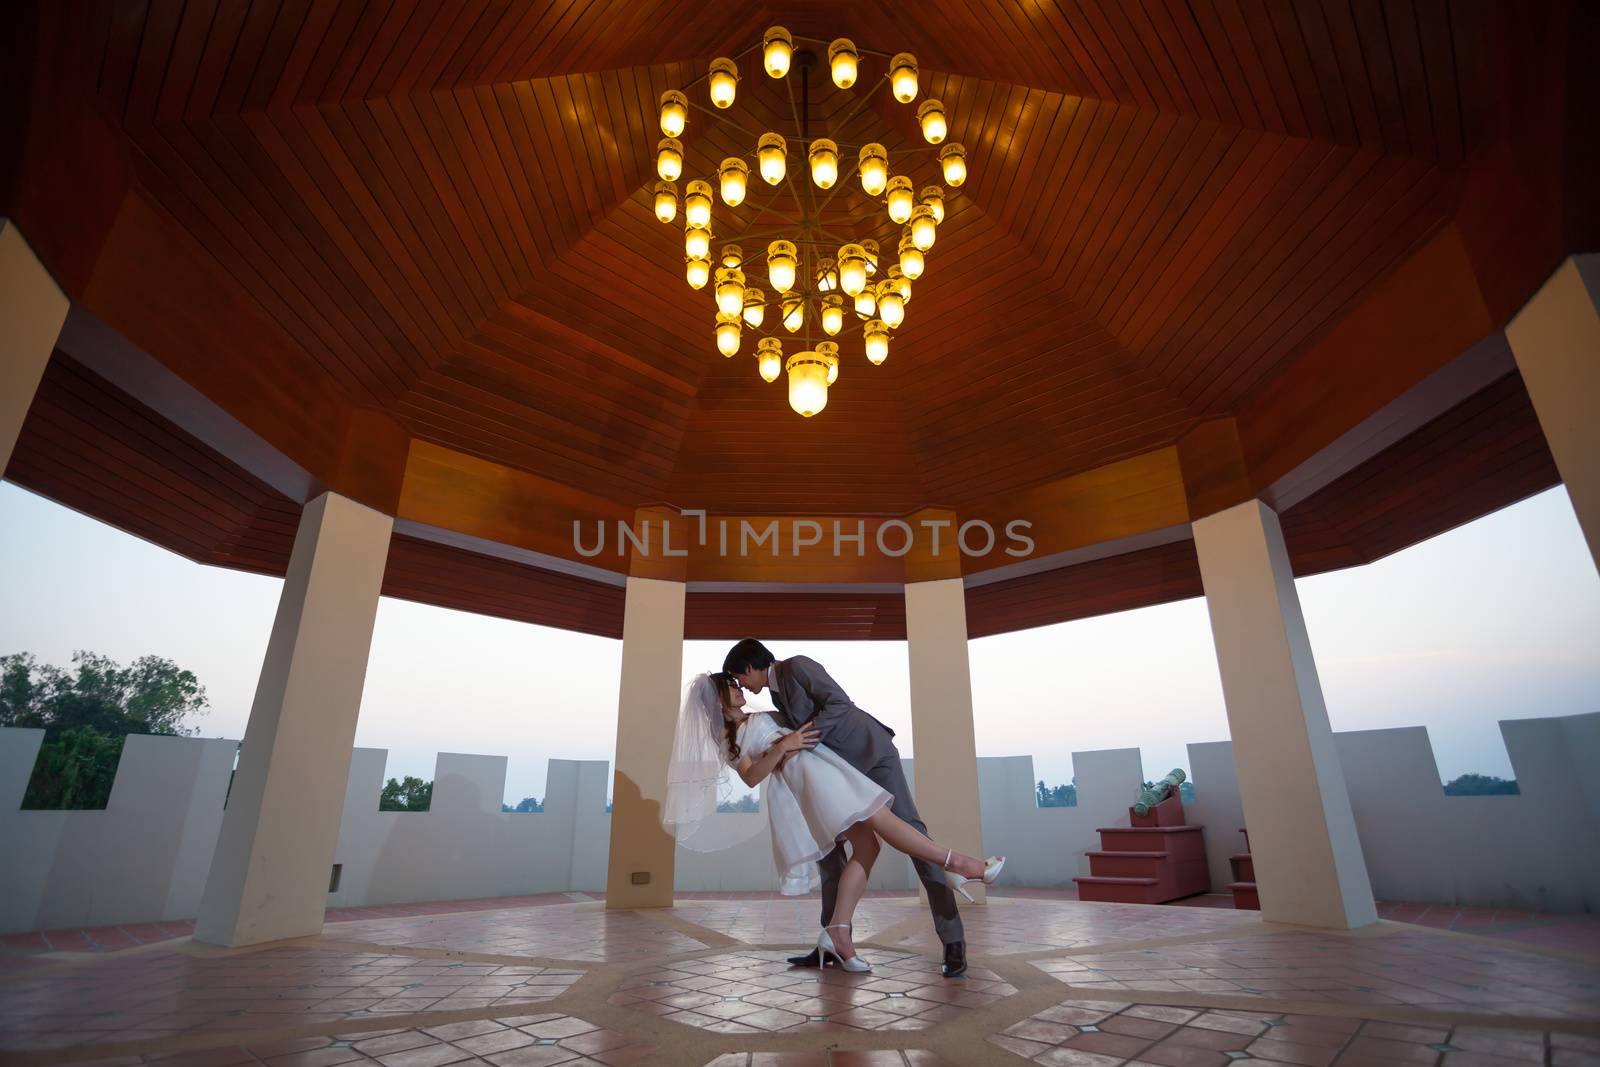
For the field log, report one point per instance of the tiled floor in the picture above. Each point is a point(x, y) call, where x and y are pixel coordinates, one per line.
point(1054, 981)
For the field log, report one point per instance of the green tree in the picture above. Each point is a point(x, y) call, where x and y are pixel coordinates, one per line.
point(86, 712)
point(1480, 785)
point(413, 794)
point(1057, 796)
point(150, 696)
point(524, 806)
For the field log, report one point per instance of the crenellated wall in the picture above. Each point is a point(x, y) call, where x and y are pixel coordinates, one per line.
point(145, 857)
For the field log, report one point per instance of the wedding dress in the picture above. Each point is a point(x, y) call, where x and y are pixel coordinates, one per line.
point(812, 799)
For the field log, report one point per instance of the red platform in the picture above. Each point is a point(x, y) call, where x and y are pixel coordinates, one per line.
point(1157, 859)
point(1243, 886)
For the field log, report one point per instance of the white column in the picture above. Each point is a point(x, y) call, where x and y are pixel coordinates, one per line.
point(641, 866)
point(1308, 858)
point(1556, 340)
point(32, 309)
point(269, 875)
point(946, 747)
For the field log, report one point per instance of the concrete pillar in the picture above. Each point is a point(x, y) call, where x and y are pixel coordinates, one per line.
point(32, 309)
point(269, 875)
point(641, 866)
point(1308, 858)
point(1556, 340)
point(941, 715)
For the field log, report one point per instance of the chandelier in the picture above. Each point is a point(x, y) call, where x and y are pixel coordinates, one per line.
point(827, 269)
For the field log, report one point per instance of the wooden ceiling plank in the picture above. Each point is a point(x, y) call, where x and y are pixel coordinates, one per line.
point(387, 181)
point(458, 188)
point(1159, 220)
point(1310, 271)
point(327, 196)
point(363, 325)
point(1229, 46)
point(397, 131)
point(1444, 91)
point(1253, 164)
point(1268, 50)
point(1373, 39)
point(373, 204)
point(1411, 75)
point(222, 236)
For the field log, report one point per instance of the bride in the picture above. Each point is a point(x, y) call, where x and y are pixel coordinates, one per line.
point(815, 800)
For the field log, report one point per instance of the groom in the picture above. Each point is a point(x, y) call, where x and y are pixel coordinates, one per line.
point(803, 693)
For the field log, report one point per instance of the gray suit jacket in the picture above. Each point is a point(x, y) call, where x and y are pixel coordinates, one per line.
point(805, 693)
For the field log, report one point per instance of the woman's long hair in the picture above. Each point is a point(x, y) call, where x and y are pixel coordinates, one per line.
point(725, 683)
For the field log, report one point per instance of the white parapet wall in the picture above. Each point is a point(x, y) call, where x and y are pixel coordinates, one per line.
point(145, 857)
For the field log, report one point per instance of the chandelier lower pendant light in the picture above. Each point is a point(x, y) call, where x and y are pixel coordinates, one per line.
point(844, 270)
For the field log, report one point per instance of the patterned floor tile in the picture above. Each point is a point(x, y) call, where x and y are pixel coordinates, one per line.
point(758, 992)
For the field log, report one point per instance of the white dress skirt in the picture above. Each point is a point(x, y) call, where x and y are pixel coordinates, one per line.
point(810, 801)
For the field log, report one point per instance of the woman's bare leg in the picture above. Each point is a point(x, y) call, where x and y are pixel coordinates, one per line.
point(853, 884)
point(900, 836)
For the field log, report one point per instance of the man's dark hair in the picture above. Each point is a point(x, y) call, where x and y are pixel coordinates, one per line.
point(747, 655)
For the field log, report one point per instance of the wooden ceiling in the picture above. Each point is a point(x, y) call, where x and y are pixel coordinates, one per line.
point(410, 247)
point(93, 448)
point(445, 208)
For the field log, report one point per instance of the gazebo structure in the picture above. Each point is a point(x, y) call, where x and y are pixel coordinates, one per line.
point(373, 297)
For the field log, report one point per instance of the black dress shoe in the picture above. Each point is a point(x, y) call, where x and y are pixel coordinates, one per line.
point(955, 959)
point(810, 959)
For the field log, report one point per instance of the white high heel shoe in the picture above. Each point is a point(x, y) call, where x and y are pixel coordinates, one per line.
point(959, 882)
point(855, 964)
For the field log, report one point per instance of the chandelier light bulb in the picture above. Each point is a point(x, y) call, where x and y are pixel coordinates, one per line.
point(777, 49)
point(755, 307)
point(911, 261)
point(901, 201)
point(891, 305)
point(953, 160)
point(697, 205)
point(698, 271)
point(773, 152)
point(769, 358)
point(674, 113)
point(923, 228)
point(930, 116)
point(733, 173)
point(794, 312)
point(901, 282)
point(829, 353)
point(903, 77)
point(874, 168)
point(827, 276)
point(866, 304)
point(824, 162)
point(731, 256)
point(724, 81)
point(852, 269)
point(730, 292)
point(666, 201)
point(669, 159)
point(842, 59)
point(870, 247)
point(933, 196)
point(781, 265)
point(808, 383)
point(728, 334)
point(832, 314)
point(696, 242)
point(876, 336)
